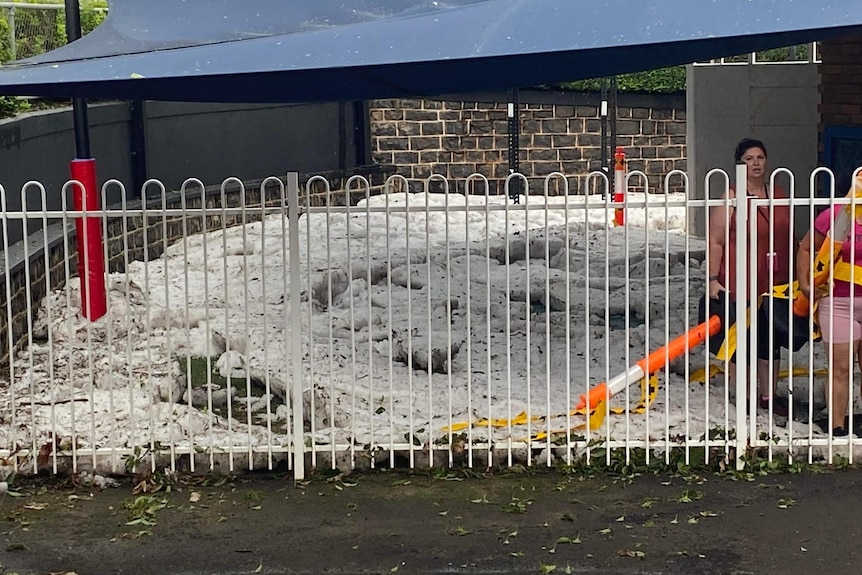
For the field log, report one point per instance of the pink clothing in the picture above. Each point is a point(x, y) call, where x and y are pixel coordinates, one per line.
point(823, 223)
point(840, 319)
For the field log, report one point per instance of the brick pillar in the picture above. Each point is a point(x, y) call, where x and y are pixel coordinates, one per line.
point(840, 86)
point(841, 81)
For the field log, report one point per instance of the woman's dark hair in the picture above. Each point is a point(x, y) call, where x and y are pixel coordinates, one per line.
point(746, 144)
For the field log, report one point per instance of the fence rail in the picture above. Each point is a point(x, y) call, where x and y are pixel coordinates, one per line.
point(798, 54)
point(310, 328)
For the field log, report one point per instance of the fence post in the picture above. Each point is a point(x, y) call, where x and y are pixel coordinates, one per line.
point(741, 290)
point(295, 334)
point(91, 265)
point(13, 46)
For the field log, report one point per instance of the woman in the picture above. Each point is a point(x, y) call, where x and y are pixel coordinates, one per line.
point(839, 313)
point(770, 265)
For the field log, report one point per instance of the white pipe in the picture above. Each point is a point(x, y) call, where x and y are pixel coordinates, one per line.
point(296, 324)
point(622, 381)
point(741, 309)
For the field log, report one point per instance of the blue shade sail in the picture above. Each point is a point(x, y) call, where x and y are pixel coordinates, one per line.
point(329, 50)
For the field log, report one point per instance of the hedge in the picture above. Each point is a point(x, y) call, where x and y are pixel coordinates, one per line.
point(52, 27)
point(672, 80)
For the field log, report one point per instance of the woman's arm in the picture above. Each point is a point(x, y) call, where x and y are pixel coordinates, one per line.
point(715, 246)
point(804, 259)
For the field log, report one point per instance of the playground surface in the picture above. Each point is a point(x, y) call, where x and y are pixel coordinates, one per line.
point(535, 521)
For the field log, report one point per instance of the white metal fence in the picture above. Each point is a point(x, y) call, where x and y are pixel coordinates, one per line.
point(252, 328)
point(798, 54)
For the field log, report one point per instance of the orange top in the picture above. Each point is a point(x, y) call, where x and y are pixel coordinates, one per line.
point(781, 262)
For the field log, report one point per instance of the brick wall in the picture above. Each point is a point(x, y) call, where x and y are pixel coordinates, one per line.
point(840, 106)
point(458, 138)
point(414, 138)
point(841, 82)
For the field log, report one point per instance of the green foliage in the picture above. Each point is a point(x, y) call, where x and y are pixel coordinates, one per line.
point(41, 30)
point(92, 14)
point(37, 31)
point(627, 464)
point(5, 37)
point(672, 80)
point(661, 81)
point(10, 106)
point(788, 53)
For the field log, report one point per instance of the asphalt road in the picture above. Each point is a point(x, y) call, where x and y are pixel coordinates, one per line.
point(395, 522)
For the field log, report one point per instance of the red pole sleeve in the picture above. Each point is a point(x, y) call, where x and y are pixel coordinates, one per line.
point(91, 259)
point(619, 184)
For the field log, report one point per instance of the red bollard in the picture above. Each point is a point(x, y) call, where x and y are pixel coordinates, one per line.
point(91, 258)
point(619, 184)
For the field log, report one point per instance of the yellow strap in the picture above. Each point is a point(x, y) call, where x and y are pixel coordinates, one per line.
point(824, 259)
point(791, 291)
point(783, 291)
point(649, 390)
point(594, 419)
point(847, 272)
point(593, 422)
point(728, 346)
point(699, 375)
point(822, 262)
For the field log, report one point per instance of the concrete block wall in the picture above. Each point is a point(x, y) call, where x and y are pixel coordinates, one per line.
point(776, 103)
point(457, 138)
point(182, 139)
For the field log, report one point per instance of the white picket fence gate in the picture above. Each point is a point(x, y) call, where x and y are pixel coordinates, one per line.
point(377, 328)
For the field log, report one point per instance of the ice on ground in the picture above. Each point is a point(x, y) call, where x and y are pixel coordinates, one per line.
point(410, 323)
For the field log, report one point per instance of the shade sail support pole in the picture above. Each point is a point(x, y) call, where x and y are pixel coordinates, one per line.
point(85, 197)
point(514, 123)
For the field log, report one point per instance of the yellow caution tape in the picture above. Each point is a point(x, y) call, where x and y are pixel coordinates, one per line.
point(783, 291)
point(698, 375)
point(594, 419)
point(649, 390)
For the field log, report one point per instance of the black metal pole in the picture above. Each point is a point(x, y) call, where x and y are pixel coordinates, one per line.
point(343, 135)
point(361, 136)
point(603, 118)
point(85, 197)
point(514, 144)
point(79, 105)
point(138, 145)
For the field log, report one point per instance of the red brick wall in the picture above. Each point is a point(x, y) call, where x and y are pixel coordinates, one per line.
point(841, 83)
